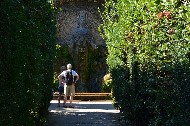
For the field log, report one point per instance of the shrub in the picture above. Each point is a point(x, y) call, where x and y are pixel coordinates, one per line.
point(106, 84)
point(27, 50)
point(148, 44)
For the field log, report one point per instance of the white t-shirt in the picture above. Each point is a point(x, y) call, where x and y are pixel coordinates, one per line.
point(63, 74)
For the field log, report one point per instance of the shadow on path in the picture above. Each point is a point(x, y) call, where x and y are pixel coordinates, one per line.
point(90, 113)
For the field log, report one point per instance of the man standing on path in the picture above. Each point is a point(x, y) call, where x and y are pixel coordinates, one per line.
point(70, 77)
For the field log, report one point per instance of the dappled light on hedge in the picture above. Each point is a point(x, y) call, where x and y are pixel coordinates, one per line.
point(26, 64)
point(149, 45)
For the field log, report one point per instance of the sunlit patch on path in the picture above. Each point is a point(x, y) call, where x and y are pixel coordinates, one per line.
point(84, 113)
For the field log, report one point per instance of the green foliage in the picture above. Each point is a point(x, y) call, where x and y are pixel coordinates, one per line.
point(149, 45)
point(62, 58)
point(27, 36)
point(55, 82)
point(106, 87)
point(107, 83)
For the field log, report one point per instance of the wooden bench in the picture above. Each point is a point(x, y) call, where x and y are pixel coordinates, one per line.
point(87, 96)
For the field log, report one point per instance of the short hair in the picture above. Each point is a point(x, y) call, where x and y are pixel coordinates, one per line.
point(69, 66)
point(63, 68)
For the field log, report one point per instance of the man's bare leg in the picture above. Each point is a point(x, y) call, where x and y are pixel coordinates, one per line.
point(71, 101)
point(65, 101)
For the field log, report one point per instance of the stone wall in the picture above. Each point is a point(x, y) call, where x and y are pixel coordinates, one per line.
point(79, 18)
point(78, 23)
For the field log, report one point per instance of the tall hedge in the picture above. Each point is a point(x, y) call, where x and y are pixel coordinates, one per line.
point(27, 37)
point(148, 43)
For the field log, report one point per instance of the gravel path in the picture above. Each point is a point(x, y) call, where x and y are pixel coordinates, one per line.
point(90, 113)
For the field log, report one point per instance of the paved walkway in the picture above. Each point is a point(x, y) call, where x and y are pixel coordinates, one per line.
point(84, 113)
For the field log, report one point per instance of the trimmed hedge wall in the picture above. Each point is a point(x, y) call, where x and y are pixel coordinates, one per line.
point(149, 60)
point(27, 36)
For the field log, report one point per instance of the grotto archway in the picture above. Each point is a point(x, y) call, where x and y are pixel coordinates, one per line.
point(78, 28)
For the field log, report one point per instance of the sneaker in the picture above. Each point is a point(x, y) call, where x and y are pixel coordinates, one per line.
point(71, 106)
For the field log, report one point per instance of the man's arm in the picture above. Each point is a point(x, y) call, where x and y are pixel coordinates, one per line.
point(60, 77)
point(77, 78)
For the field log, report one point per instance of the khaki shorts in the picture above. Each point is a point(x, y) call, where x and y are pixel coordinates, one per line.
point(70, 90)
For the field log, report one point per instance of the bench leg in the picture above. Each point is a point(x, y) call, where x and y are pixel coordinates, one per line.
point(59, 97)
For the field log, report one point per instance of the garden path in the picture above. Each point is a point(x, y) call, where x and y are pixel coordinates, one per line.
point(84, 113)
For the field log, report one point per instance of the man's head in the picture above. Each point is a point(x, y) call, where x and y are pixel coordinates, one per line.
point(63, 68)
point(69, 66)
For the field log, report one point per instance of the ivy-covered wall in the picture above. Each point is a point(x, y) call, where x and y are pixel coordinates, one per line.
point(27, 42)
point(148, 56)
point(93, 67)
